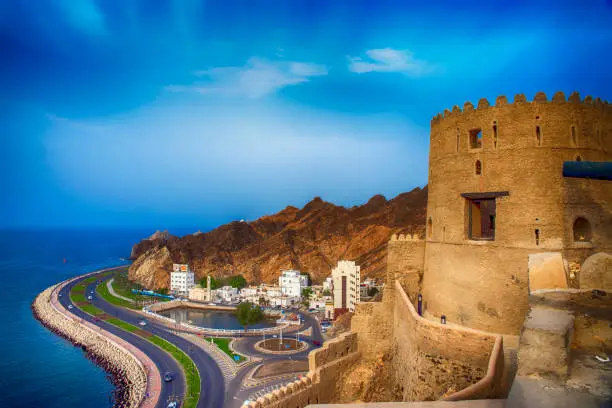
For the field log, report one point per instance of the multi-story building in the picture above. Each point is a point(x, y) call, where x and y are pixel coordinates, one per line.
point(292, 282)
point(181, 279)
point(346, 280)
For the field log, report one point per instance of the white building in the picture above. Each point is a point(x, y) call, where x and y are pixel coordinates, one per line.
point(181, 279)
point(292, 282)
point(328, 284)
point(227, 294)
point(346, 283)
point(284, 301)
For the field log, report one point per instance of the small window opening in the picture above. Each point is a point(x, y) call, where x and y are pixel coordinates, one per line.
point(481, 219)
point(537, 236)
point(476, 138)
point(429, 227)
point(458, 138)
point(598, 137)
point(578, 158)
point(574, 135)
point(582, 230)
point(495, 134)
point(539, 135)
point(478, 168)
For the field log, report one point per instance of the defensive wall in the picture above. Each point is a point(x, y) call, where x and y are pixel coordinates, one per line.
point(326, 365)
point(431, 361)
point(513, 152)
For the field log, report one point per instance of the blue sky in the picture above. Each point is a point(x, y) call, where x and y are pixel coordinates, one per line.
point(195, 113)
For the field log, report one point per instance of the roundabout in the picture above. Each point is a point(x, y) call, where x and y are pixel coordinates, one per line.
point(278, 346)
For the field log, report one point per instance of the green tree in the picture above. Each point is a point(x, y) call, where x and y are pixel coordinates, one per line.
point(237, 281)
point(214, 283)
point(248, 314)
point(163, 291)
point(326, 292)
point(372, 291)
point(306, 294)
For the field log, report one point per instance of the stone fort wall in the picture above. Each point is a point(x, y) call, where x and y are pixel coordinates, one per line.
point(326, 365)
point(482, 284)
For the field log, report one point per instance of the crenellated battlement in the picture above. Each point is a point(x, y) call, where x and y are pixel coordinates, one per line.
point(521, 99)
point(405, 237)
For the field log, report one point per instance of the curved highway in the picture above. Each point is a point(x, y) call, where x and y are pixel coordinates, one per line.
point(163, 361)
point(211, 379)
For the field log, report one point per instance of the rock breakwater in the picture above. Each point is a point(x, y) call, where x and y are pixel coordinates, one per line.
point(126, 372)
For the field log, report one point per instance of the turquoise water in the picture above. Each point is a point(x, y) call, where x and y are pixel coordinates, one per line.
point(38, 368)
point(213, 319)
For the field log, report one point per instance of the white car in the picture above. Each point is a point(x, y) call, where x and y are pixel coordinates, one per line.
point(70, 306)
point(60, 295)
point(172, 404)
point(142, 323)
point(89, 297)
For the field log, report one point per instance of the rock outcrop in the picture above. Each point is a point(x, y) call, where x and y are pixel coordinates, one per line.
point(311, 239)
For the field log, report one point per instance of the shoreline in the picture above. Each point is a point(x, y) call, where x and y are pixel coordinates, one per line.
point(125, 370)
point(114, 376)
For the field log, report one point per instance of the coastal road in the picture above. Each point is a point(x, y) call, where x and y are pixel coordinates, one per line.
point(162, 360)
point(212, 388)
point(213, 392)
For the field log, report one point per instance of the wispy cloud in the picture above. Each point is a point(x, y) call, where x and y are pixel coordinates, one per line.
point(390, 60)
point(84, 15)
point(258, 78)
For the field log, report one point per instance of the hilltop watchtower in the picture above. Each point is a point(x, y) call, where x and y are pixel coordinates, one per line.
point(497, 194)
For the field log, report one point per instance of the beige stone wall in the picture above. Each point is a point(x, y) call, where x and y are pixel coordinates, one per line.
point(478, 286)
point(374, 324)
point(432, 359)
point(326, 365)
point(405, 262)
point(484, 272)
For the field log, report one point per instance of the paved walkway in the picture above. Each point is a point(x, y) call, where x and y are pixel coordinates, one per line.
point(109, 285)
point(151, 371)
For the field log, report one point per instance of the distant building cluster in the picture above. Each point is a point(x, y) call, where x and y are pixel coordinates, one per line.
point(338, 294)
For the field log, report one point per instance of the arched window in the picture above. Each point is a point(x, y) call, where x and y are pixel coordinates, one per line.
point(574, 140)
point(539, 135)
point(578, 158)
point(582, 230)
point(478, 168)
point(429, 227)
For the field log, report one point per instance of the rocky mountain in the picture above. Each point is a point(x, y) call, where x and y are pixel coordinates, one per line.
point(311, 239)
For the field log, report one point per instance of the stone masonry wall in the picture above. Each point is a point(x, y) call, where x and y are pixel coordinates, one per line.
point(522, 150)
point(373, 322)
point(326, 365)
point(405, 262)
point(432, 360)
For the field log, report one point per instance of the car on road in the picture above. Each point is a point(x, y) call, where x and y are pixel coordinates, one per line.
point(168, 377)
point(142, 323)
point(70, 306)
point(89, 297)
point(172, 404)
point(60, 295)
point(316, 343)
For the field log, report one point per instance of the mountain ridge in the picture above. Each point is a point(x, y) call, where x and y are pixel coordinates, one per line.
point(311, 239)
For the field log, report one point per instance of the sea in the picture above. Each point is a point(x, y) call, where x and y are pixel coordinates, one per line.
point(38, 368)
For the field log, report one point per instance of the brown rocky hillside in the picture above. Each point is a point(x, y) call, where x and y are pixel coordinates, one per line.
point(311, 239)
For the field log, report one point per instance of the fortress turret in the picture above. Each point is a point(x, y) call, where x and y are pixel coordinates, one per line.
point(497, 193)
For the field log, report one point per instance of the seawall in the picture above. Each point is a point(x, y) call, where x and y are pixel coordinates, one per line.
point(126, 368)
